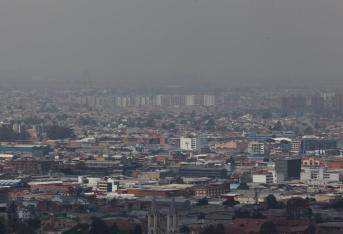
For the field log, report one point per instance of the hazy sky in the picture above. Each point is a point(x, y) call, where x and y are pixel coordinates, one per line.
point(172, 41)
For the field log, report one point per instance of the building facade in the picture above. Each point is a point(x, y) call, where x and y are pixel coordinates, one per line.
point(162, 221)
point(288, 169)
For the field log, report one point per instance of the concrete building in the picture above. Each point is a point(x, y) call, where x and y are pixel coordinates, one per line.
point(190, 143)
point(317, 144)
point(335, 163)
point(312, 162)
point(154, 100)
point(34, 150)
point(104, 184)
point(4, 204)
point(190, 100)
point(295, 147)
point(320, 175)
point(256, 148)
point(33, 166)
point(211, 190)
point(263, 178)
point(288, 169)
point(293, 104)
point(209, 100)
point(234, 145)
point(163, 221)
point(200, 171)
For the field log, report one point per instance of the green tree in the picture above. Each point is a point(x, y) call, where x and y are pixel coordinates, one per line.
point(8, 134)
point(209, 230)
point(171, 126)
point(318, 218)
point(177, 180)
point(298, 207)
point(268, 228)
point(202, 202)
point(137, 230)
point(185, 229)
point(98, 226)
point(3, 229)
point(220, 229)
point(150, 123)
point(23, 228)
point(308, 130)
point(211, 124)
point(201, 216)
point(278, 126)
point(114, 229)
point(81, 228)
point(86, 120)
point(267, 115)
point(113, 202)
point(34, 223)
point(55, 132)
point(230, 203)
point(272, 203)
point(243, 186)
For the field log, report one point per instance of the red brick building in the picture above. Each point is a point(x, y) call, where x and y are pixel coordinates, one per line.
point(211, 190)
point(51, 188)
point(334, 164)
point(138, 192)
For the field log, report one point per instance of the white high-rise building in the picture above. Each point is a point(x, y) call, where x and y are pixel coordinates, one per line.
point(158, 100)
point(190, 143)
point(209, 100)
point(190, 100)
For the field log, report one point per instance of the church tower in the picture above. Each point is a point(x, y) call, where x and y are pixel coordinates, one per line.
point(172, 218)
point(152, 218)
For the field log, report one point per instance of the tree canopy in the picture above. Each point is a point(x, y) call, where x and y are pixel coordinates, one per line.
point(230, 203)
point(272, 203)
point(98, 226)
point(202, 202)
point(8, 134)
point(55, 132)
point(298, 207)
point(268, 228)
point(211, 229)
point(243, 186)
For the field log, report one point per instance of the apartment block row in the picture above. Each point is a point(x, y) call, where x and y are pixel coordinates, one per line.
point(149, 100)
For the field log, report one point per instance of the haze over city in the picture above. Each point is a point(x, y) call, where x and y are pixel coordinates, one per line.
point(174, 42)
point(171, 117)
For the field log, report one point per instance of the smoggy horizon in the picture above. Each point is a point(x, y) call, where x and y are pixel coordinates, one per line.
point(172, 42)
